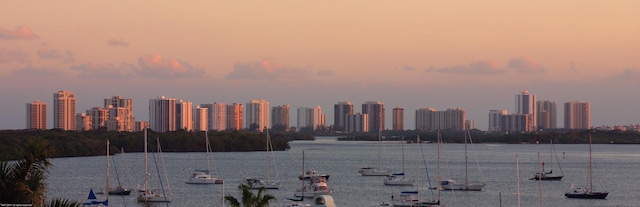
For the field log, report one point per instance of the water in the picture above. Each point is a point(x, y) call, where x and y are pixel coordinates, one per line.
point(615, 170)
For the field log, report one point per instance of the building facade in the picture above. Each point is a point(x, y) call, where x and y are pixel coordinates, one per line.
point(37, 115)
point(430, 119)
point(525, 104)
point(357, 122)
point(375, 111)
point(234, 116)
point(517, 123)
point(126, 117)
point(162, 114)
point(310, 117)
point(99, 117)
point(577, 115)
point(64, 110)
point(257, 115)
point(184, 115)
point(201, 118)
point(280, 116)
point(546, 114)
point(495, 120)
point(398, 119)
point(340, 112)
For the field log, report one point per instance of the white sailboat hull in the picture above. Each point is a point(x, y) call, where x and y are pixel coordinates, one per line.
point(471, 186)
point(398, 181)
point(366, 171)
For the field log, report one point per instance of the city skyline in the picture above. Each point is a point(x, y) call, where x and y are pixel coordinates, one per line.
point(412, 54)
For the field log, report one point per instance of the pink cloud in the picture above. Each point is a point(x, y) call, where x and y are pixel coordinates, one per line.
point(265, 69)
point(15, 55)
point(39, 72)
point(45, 53)
point(157, 66)
point(473, 68)
point(117, 42)
point(525, 65)
point(20, 32)
point(93, 70)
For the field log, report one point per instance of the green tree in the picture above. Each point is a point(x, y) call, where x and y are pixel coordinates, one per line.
point(249, 199)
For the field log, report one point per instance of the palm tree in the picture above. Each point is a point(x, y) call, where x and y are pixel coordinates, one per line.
point(249, 199)
point(23, 181)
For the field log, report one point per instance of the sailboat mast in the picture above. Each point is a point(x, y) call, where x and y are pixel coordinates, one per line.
point(402, 156)
point(379, 150)
point(146, 161)
point(466, 160)
point(590, 173)
point(206, 135)
point(518, 177)
point(108, 166)
point(439, 141)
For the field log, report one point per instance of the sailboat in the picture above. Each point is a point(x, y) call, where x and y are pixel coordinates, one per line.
point(120, 189)
point(549, 175)
point(412, 198)
point(146, 194)
point(372, 171)
point(451, 184)
point(92, 200)
point(317, 186)
point(587, 193)
point(203, 176)
point(399, 178)
point(267, 183)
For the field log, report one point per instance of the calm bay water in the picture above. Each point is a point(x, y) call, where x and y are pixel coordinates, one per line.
point(616, 169)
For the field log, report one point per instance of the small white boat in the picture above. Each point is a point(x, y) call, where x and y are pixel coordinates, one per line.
point(151, 196)
point(203, 177)
point(372, 171)
point(257, 183)
point(450, 184)
point(312, 173)
point(398, 179)
point(317, 186)
point(411, 199)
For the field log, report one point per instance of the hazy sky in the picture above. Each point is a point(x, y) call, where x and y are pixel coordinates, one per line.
point(413, 54)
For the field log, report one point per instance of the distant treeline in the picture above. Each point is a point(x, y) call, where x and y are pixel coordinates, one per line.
point(558, 136)
point(91, 143)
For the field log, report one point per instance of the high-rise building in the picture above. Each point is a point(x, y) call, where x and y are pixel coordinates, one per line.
point(99, 117)
point(140, 126)
point(340, 112)
point(577, 115)
point(184, 115)
point(398, 119)
point(375, 109)
point(201, 118)
point(83, 122)
point(525, 104)
point(127, 116)
point(280, 116)
point(495, 117)
point(257, 115)
point(216, 116)
point(37, 115)
point(234, 116)
point(430, 119)
point(64, 110)
point(311, 117)
point(162, 114)
point(546, 114)
point(357, 123)
point(517, 122)
point(117, 119)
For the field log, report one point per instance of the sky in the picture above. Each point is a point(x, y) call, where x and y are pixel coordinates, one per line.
point(412, 54)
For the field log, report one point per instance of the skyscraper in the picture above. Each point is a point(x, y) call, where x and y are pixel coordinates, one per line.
point(430, 119)
point(257, 115)
point(280, 116)
point(127, 116)
point(340, 112)
point(184, 115)
point(357, 122)
point(162, 114)
point(64, 110)
point(216, 116)
point(37, 115)
point(398, 119)
point(200, 118)
point(516, 122)
point(546, 114)
point(311, 117)
point(234, 116)
point(99, 117)
point(83, 122)
point(495, 117)
point(375, 111)
point(525, 104)
point(577, 115)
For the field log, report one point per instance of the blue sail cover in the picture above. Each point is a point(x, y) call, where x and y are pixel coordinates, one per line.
point(92, 196)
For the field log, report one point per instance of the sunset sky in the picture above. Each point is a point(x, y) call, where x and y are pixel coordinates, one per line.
point(413, 54)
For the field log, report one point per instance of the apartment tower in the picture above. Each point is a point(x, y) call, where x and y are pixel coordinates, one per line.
point(577, 115)
point(340, 112)
point(64, 110)
point(37, 115)
point(375, 111)
point(127, 119)
point(234, 116)
point(525, 104)
point(546, 114)
point(280, 116)
point(162, 114)
point(398, 119)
